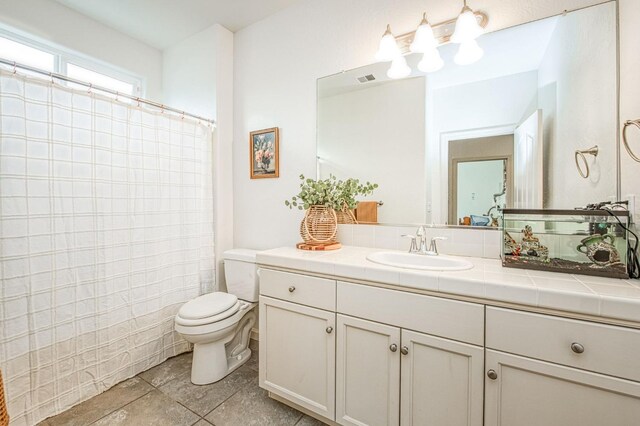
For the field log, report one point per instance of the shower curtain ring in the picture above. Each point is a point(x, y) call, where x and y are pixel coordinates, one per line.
point(138, 102)
point(117, 94)
point(90, 87)
point(15, 67)
point(51, 77)
point(182, 117)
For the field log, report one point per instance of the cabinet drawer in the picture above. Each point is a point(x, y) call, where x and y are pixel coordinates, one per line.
point(607, 349)
point(451, 319)
point(302, 289)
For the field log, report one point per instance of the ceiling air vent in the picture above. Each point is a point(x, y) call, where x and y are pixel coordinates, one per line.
point(366, 78)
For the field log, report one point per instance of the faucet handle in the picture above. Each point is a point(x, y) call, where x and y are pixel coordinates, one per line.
point(414, 246)
point(434, 246)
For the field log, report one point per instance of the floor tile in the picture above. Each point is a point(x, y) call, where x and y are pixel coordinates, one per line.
point(203, 422)
point(309, 421)
point(203, 399)
point(93, 409)
point(252, 406)
point(155, 408)
point(254, 360)
point(168, 370)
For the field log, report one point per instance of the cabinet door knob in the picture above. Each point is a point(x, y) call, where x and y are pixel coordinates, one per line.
point(577, 348)
point(292, 289)
point(404, 350)
point(492, 374)
point(393, 347)
point(329, 330)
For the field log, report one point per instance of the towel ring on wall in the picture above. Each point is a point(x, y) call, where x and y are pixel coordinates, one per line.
point(580, 154)
point(624, 137)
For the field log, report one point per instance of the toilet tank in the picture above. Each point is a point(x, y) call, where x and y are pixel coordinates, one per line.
point(240, 274)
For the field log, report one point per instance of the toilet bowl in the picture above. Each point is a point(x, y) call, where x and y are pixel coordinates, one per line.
point(219, 324)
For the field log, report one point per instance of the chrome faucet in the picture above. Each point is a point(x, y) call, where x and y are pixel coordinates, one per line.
point(419, 243)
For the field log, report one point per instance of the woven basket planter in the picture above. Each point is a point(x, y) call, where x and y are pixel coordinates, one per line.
point(319, 226)
point(4, 415)
point(346, 217)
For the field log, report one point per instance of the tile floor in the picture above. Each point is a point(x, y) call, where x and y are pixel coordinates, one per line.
point(164, 395)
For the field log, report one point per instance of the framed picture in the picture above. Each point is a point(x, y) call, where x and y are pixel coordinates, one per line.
point(264, 156)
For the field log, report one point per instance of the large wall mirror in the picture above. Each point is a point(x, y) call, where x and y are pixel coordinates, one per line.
point(454, 146)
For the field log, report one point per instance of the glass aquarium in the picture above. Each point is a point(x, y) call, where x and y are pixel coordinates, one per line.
point(590, 242)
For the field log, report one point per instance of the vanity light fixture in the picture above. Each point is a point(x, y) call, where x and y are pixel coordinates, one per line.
point(388, 49)
point(425, 42)
point(467, 27)
point(466, 33)
point(399, 68)
point(464, 30)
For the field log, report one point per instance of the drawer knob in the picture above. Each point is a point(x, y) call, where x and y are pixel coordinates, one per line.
point(393, 347)
point(492, 374)
point(329, 330)
point(577, 348)
point(404, 350)
point(292, 289)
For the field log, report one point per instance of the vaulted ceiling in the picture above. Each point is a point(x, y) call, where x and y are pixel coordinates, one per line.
point(162, 23)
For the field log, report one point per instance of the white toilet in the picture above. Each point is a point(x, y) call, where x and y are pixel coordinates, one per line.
point(219, 324)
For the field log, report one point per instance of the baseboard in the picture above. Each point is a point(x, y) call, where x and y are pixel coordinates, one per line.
point(254, 335)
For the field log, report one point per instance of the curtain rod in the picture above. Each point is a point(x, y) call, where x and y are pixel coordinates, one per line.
point(104, 89)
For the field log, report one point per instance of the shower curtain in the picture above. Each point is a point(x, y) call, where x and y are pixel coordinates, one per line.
point(106, 228)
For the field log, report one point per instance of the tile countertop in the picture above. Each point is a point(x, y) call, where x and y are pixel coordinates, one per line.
point(606, 298)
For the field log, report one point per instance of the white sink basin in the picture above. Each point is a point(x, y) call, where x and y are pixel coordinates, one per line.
point(419, 261)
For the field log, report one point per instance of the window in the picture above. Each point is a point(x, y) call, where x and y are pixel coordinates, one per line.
point(81, 73)
point(27, 55)
point(19, 49)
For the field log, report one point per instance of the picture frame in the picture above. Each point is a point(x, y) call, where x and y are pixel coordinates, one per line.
point(264, 153)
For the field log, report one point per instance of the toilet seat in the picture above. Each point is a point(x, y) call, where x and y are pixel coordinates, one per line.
point(207, 309)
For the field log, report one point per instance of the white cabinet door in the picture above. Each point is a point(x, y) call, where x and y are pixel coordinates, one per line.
point(442, 381)
point(527, 392)
point(297, 354)
point(367, 373)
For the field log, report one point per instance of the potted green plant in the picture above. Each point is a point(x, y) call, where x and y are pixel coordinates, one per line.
point(321, 199)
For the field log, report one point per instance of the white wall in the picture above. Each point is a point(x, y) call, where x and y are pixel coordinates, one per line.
point(372, 134)
point(503, 101)
point(578, 98)
point(277, 62)
point(198, 77)
point(52, 22)
point(629, 90)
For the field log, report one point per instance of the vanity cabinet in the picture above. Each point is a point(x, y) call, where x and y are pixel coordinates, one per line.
point(297, 354)
point(367, 372)
point(386, 375)
point(546, 370)
point(441, 382)
point(527, 392)
point(358, 354)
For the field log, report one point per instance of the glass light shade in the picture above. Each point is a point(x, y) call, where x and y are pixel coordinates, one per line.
point(468, 53)
point(467, 27)
point(431, 61)
point(388, 49)
point(399, 68)
point(423, 39)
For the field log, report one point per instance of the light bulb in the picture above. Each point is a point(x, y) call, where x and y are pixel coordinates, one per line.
point(399, 68)
point(468, 53)
point(388, 49)
point(431, 61)
point(467, 27)
point(423, 39)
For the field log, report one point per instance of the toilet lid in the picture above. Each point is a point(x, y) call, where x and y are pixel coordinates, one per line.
point(208, 305)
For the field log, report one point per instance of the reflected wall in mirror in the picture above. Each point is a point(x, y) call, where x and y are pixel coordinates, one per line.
point(453, 146)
